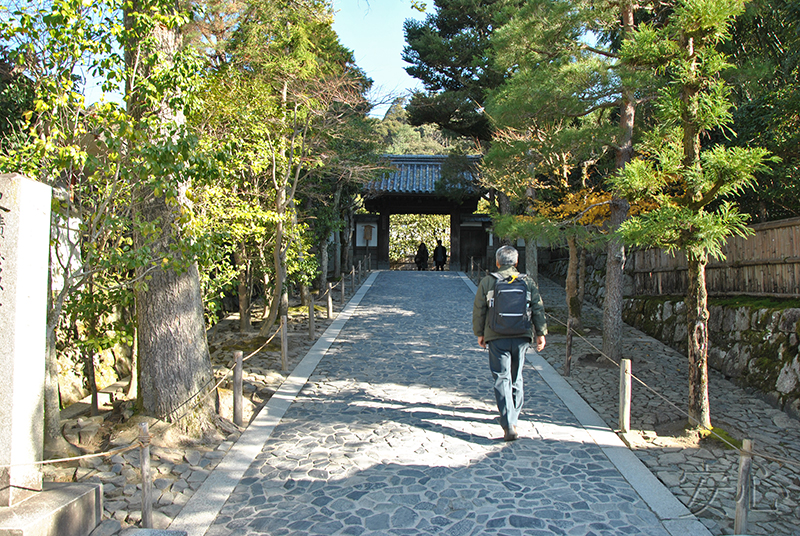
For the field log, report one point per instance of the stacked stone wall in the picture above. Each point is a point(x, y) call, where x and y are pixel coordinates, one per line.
point(755, 347)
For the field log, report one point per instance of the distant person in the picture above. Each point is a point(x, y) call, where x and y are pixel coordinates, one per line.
point(439, 255)
point(421, 258)
point(508, 314)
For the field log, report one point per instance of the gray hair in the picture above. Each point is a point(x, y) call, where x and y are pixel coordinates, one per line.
point(506, 255)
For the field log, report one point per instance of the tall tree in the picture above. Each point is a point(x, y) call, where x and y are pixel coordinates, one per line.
point(175, 372)
point(449, 53)
point(568, 101)
point(683, 181)
point(295, 85)
point(765, 47)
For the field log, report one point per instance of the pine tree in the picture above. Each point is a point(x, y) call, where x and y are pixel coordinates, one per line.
point(682, 181)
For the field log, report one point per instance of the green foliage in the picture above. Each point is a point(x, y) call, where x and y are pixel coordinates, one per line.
point(448, 52)
point(459, 178)
point(399, 137)
point(683, 183)
point(96, 157)
point(407, 231)
point(556, 116)
point(765, 47)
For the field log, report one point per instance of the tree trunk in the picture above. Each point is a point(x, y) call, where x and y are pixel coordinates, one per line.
point(337, 238)
point(613, 298)
point(531, 246)
point(697, 319)
point(55, 446)
point(174, 362)
point(54, 443)
point(243, 288)
point(347, 242)
point(323, 263)
point(280, 299)
point(581, 275)
point(305, 294)
point(571, 285)
point(503, 203)
point(615, 251)
point(337, 255)
point(532, 259)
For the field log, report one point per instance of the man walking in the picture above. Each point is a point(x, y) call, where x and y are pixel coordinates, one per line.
point(439, 255)
point(507, 316)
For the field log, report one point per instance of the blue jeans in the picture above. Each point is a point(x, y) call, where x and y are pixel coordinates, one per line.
point(506, 359)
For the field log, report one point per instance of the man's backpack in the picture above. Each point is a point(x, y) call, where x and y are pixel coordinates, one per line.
point(508, 306)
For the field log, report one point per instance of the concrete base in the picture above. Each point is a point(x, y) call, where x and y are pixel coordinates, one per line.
point(60, 509)
point(154, 532)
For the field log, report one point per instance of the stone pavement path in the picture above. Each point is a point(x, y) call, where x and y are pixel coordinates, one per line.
point(395, 432)
point(703, 478)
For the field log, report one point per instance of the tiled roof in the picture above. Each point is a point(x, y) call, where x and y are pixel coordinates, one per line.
point(415, 174)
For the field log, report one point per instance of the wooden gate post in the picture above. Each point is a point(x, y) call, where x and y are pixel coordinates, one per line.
point(147, 483)
point(311, 319)
point(284, 343)
point(568, 356)
point(625, 395)
point(238, 417)
point(743, 490)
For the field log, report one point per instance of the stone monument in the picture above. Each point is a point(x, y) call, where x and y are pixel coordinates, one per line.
point(24, 247)
point(25, 509)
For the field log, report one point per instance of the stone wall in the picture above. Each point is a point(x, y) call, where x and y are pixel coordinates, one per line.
point(755, 347)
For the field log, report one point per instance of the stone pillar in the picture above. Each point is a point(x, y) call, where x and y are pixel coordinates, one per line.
point(24, 254)
point(455, 242)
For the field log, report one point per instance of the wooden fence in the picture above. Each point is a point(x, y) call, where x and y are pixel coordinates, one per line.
point(764, 264)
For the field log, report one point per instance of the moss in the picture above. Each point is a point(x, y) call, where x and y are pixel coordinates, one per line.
point(303, 309)
point(718, 437)
point(754, 302)
point(765, 365)
point(556, 329)
point(659, 299)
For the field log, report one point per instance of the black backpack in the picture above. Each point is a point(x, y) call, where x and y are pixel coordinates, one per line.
point(508, 306)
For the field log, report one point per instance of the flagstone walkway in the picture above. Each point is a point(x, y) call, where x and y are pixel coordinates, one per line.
point(388, 426)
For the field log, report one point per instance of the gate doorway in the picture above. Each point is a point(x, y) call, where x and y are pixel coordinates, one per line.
point(407, 231)
point(411, 189)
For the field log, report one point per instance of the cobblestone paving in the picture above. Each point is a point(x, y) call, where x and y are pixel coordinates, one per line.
point(704, 478)
point(396, 433)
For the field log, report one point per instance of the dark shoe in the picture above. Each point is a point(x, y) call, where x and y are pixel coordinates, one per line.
point(510, 434)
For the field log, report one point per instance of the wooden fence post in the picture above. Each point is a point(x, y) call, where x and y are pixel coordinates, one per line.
point(360, 273)
point(147, 483)
point(353, 275)
point(311, 317)
point(343, 292)
point(625, 395)
point(743, 490)
point(330, 301)
point(568, 357)
point(238, 417)
point(284, 343)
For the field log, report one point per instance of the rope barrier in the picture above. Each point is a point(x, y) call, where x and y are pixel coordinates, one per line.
point(213, 389)
point(224, 377)
point(682, 412)
point(74, 458)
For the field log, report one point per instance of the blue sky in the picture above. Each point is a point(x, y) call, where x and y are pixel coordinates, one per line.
point(374, 32)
